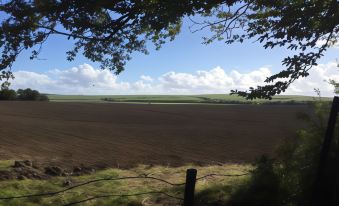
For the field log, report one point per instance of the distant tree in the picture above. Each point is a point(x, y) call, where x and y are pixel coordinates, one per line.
point(109, 31)
point(28, 94)
point(335, 85)
point(43, 97)
point(7, 94)
point(31, 95)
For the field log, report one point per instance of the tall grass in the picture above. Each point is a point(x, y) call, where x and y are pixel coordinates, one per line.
point(175, 175)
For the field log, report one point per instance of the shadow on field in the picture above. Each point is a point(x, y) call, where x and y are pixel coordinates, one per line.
point(262, 188)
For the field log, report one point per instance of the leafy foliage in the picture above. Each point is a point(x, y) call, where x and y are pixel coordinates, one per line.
point(263, 188)
point(335, 85)
point(32, 95)
point(298, 162)
point(104, 31)
point(289, 178)
point(22, 94)
point(296, 25)
point(109, 31)
point(7, 94)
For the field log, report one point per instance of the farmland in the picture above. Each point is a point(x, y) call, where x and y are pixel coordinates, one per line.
point(126, 135)
point(207, 98)
point(105, 140)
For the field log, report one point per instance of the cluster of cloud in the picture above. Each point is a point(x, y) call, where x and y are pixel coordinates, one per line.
point(85, 79)
point(212, 81)
point(333, 44)
point(77, 80)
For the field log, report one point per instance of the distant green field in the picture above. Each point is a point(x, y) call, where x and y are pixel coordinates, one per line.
point(208, 98)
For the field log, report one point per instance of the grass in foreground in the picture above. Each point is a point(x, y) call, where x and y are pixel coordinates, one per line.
point(222, 187)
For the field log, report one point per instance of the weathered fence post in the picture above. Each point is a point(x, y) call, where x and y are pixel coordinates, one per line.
point(191, 175)
point(320, 194)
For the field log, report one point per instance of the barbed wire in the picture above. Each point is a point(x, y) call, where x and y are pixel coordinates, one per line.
point(123, 195)
point(145, 176)
point(89, 182)
point(222, 175)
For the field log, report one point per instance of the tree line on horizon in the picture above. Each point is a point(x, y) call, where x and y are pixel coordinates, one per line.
point(22, 94)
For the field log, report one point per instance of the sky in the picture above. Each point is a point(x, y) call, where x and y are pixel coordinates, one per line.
point(183, 66)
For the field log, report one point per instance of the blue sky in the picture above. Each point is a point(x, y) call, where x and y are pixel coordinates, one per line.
point(186, 54)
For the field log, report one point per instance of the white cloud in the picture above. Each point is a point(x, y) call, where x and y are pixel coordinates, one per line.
point(213, 81)
point(318, 78)
point(141, 86)
point(146, 78)
point(85, 79)
point(333, 44)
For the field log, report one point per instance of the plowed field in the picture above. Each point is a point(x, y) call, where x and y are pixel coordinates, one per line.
point(108, 134)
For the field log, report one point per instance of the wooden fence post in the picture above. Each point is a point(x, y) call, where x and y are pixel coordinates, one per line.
point(191, 175)
point(320, 196)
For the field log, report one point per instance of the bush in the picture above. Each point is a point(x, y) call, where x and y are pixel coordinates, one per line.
point(28, 94)
point(31, 95)
point(298, 160)
point(262, 189)
point(43, 97)
point(22, 94)
point(289, 179)
point(7, 94)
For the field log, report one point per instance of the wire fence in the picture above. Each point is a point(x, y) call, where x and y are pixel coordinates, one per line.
point(187, 199)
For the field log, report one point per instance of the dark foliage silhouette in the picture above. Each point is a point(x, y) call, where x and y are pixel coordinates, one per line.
point(32, 95)
point(109, 31)
point(22, 94)
point(7, 94)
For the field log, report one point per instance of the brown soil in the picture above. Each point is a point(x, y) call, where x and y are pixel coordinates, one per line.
point(123, 135)
point(27, 169)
